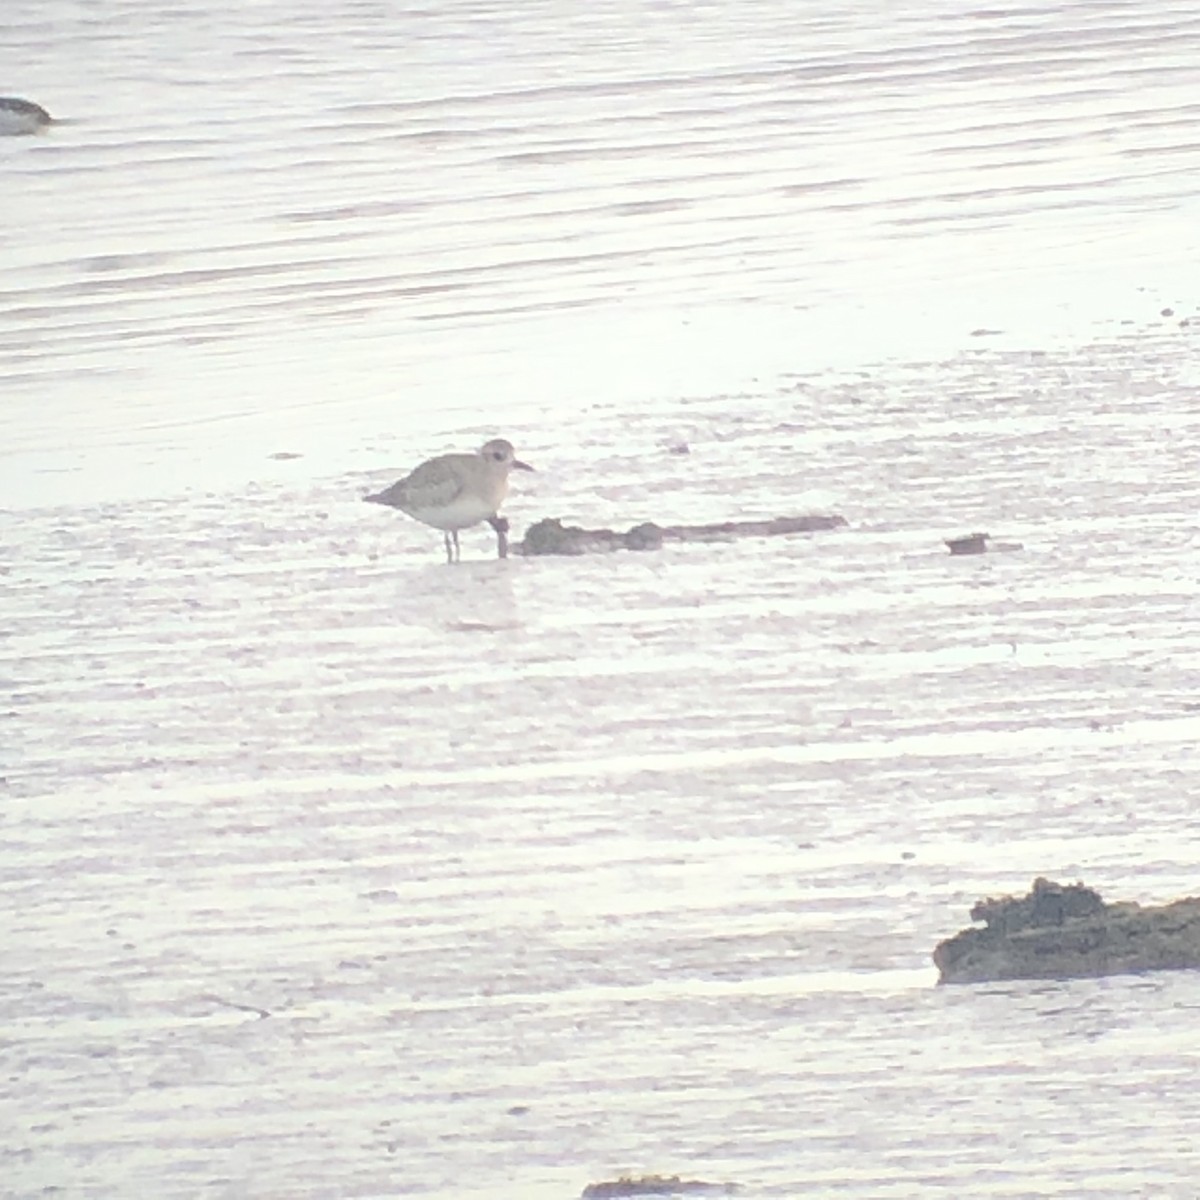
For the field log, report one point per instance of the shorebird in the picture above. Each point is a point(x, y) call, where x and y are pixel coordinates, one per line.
point(454, 491)
point(22, 116)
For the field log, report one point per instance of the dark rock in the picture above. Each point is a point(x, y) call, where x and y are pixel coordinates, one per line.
point(551, 536)
point(22, 116)
point(1062, 931)
point(655, 1185)
point(1047, 904)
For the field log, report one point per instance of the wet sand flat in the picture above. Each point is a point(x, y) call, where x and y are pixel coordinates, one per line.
point(329, 870)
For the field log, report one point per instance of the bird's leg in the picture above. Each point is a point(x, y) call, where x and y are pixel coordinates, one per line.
point(500, 525)
point(457, 547)
point(449, 546)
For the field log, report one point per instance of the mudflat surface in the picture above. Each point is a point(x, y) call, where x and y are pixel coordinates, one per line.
point(328, 870)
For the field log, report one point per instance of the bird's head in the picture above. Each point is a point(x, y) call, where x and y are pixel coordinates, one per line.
point(499, 452)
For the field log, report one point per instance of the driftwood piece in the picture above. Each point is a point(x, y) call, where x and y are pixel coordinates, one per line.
point(655, 1185)
point(1067, 932)
point(551, 536)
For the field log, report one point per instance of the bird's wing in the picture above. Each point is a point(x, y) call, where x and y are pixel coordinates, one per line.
point(431, 485)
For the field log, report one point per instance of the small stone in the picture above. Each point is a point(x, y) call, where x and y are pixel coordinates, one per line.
point(970, 543)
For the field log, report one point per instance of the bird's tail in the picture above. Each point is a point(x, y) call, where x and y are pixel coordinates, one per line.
point(388, 496)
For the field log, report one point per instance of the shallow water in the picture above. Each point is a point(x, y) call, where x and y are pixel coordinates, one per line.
point(331, 871)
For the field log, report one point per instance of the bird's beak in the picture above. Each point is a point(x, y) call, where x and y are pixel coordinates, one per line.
point(521, 466)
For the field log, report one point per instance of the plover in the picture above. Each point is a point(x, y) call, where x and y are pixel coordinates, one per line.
point(22, 116)
point(454, 491)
